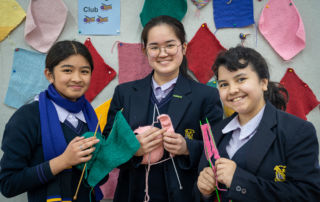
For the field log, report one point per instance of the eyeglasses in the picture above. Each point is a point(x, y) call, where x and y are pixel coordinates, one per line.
point(170, 49)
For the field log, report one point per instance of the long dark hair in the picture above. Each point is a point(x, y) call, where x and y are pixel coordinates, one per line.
point(64, 49)
point(179, 31)
point(276, 93)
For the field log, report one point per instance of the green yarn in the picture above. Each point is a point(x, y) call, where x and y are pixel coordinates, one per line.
point(117, 149)
point(155, 8)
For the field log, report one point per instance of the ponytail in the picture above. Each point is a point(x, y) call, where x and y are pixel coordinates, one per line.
point(183, 69)
point(277, 95)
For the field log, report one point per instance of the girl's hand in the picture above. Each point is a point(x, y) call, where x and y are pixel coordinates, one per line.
point(78, 151)
point(206, 181)
point(149, 140)
point(175, 143)
point(225, 169)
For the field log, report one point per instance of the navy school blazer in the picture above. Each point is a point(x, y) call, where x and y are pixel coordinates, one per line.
point(284, 146)
point(191, 102)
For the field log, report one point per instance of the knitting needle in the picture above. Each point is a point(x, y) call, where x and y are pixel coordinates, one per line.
point(85, 165)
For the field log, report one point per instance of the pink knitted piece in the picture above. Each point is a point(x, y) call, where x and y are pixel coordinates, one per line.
point(44, 23)
point(156, 154)
point(280, 23)
point(133, 63)
point(108, 189)
point(208, 143)
point(166, 122)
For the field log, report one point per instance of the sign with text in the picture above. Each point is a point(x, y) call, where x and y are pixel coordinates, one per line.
point(99, 17)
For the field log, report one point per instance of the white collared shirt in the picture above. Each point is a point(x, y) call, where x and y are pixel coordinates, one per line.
point(241, 134)
point(64, 114)
point(162, 91)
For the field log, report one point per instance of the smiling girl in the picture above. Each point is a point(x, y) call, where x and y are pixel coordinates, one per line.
point(266, 154)
point(41, 141)
point(169, 90)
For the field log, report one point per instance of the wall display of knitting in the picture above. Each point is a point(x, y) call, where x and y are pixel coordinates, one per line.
point(133, 63)
point(154, 8)
point(200, 3)
point(233, 13)
point(27, 79)
point(44, 23)
point(281, 25)
point(201, 52)
point(301, 98)
point(11, 16)
point(102, 74)
point(96, 17)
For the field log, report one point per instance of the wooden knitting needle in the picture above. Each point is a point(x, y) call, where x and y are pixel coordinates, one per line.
point(85, 165)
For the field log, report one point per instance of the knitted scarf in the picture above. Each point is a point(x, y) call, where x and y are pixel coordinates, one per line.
point(53, 140)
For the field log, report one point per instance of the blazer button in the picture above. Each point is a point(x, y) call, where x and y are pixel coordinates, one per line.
point(243, 191)
point(238, 188)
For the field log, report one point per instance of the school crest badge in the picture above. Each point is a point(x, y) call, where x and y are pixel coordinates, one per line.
point(280, 173)
point(188, 133)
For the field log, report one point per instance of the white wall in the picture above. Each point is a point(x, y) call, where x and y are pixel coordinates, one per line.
point(305, 64)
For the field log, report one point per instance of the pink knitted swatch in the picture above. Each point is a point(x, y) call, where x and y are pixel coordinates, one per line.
point(133, 63)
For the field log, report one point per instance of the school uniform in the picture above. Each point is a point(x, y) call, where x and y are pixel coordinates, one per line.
point(24, 167)
point(278, 163)
point(187, 104)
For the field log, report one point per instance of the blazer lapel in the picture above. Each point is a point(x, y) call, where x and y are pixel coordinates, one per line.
point(139, 100)
point(217, 129)
point(180, 101)
point(263, 139)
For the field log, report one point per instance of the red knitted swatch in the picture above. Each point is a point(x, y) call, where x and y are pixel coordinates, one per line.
point(301, 98)
point(102, 73)
point(202, 52)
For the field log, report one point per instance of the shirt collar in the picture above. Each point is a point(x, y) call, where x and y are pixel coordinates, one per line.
point(247, 129)
point(63, 113)
point(165, 86)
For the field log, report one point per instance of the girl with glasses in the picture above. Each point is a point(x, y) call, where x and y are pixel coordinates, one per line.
point(266, 153)
point(167, 90)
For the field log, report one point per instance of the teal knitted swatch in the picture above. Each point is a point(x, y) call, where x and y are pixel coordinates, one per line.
point(155, 8)
point(117, 149)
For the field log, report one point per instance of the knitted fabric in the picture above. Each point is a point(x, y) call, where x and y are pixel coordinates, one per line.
point(27, 79)
point(109, 187)
point(281, 25)
point(156, 154)
point(101, 75)
point(301, 98)
point(44, 23)
point(202, 52)
point(155, 8)
point(11, 16)
point(133, 63)
point(117, 149)
point(233, 13)
point(200, 3)
point(102, 113)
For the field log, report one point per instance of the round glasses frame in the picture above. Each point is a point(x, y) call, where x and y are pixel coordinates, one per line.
point(170, 49)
